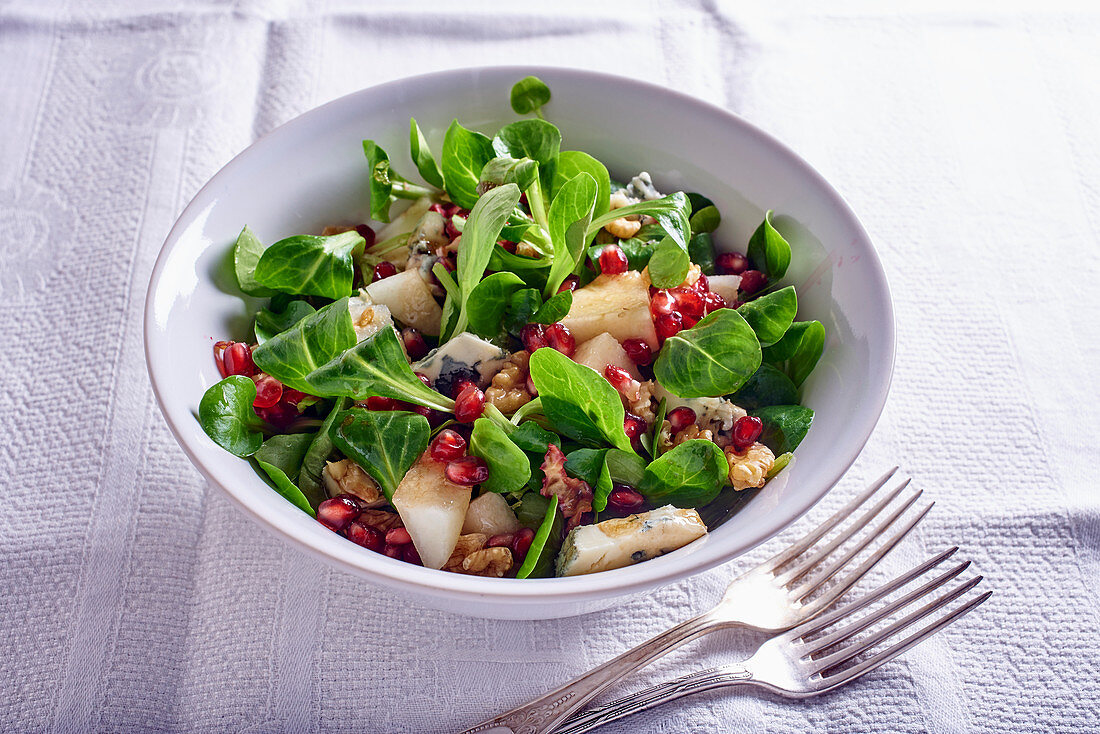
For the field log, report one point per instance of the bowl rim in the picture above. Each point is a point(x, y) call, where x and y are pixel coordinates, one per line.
point(604, 585)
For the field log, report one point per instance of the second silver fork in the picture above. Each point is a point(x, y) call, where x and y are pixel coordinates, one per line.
point(773, 597)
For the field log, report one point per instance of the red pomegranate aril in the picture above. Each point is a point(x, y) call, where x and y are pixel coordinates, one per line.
point(469, 404)
point(366, 233)
point(613, 260)
point(398, 536)
point(280, 415)
point(662, 302)
point(689, 321)
point(337, 513)
point(638, 351)
point(369, 537)
point(460, 385)
point(569, 284)
point(384, 270)
point(746, 430)
point(561, 338)
point(634, 425)
point(531, 389)
point(238, 360)
point(424, 378)
point(376, 402)
point(450, 228)
point(688, 302)
point(712, 302)
point(219, 357)
point(625, 499)
point(668, 324)
point(508, 246)
point(752, 281)
point(448, 445)
point(268, 391)
point(503, 540)
point(521, 543)
point(732, 263)
point(702, 285)
point(534, 337)
point(680, 418)
point(397, 552)
point(467, 471)
point(617, 376)
point(409, 554)
point(415, 346)
point(418, 409)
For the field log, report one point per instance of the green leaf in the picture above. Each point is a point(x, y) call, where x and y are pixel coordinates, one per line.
point(319, 451)
point(669, 264)
point(533, 438)
point(671, 212)
point(591, 466)
point(382, 179)
point(574, 162)
point(268, 323)
point(509, 467)
point(769, 250)
point(504, 169)
point(375, 366)
point(706, 219)
point(538, 140)
point(422, 156)
point(465, 153)
point(540, 556)
point(528, 95)
point(798, 352)
point(578, 402)
point(286, 488)
point(281, 457)
point(293, 355)
point(555, 309)
point(384, 443)
point(688, 475)
point(713, 358)
point(625, 467)
point(569, 217)
point(767, 386)
point(771, 315)
point(522, 307)
point(638, 252)
point(658, 424)
point(489, 301)
point(784, 426)
point(246, 253)
point(226, 414)
point(311, 264)
point(698, 202)
point(701, 250)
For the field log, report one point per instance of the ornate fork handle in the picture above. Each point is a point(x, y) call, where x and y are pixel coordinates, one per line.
point(545, 713)
point(704, 680)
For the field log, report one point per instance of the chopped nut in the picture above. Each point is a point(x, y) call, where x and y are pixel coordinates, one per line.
point(508, 390)
point(381, 519)
point(619, 199)
point(624, 227)
point(466, 544)
point(749, 468)
point(347, 477)
point(490, 562)
point(691, 432)
point(525, 249)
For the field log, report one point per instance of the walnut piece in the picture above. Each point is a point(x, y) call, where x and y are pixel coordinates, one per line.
point(491, 562)
point(687, 433)
point(508, 390)
point(347, 477)
point(381, 519)
point(466, 544)
point(749, 468)
point(624, 227)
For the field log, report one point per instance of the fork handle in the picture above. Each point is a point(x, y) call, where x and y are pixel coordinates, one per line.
point(704, 680)
point(545, 713)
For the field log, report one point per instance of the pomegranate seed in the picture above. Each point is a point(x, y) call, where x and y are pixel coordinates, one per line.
point(569, 284)
point(376, 402)
point(469, 404)
point(238, 360)
point(459, 385)
point(668, 324)
point(712, 302)
point(448, 445)
point(219, 354)
point(366, 233)
point(617, 376)
point(268, 391)
point(280, 415)
point(625, 499)
point(746, 430)
point(369, 537)
point(752, 281)
point(438, 209)
point(662, 302)
point(467, 471)
point(634, 425)
point(561, 338)
point(531, 389)
point(508, 246)
point(398, 536)
point(450, 228)
point(732, 263)
point(384, 270)
point(534, 337)
point(418, 409)
point(396, 552)
point(415, 346)
point(338, 512)
point(638, 351)
point(613, 260)
point(424, 378)
point(702, 285)
point(410, 555)
point(522, 543)
point(690, 321)
point(688, 302)
point(501, 541)
point(680, 418)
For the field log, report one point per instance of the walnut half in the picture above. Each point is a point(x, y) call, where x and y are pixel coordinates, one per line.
point(749, 468)
point(347, 477)
point(471, 557)
point(508, 390)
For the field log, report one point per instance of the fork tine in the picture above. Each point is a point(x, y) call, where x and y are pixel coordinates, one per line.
point(850, 674)
point(817, 624)
point(861, 570)
point(821, 530)
point(854, 627)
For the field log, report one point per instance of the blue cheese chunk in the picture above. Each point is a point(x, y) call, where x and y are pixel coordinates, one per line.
point(367, 317)
point(463, 354)
point(716, 414)
point(624, 541)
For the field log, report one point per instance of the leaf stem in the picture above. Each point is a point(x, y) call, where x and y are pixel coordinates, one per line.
point(406, 190)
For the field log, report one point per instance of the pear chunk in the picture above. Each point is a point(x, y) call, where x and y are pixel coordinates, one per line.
point(725, 286)
point(490, 515)
point(432, 508)
point(616, 304)
point(602, 350)
point(409, 299)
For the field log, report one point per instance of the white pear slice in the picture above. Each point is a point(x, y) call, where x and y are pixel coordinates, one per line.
point(491, 515)
point(410, 301)
point(616, 304)
point(433, 510)
point(725, 286)
point(602, 350)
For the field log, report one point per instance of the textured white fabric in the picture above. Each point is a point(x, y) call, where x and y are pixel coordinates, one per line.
point(963, 133)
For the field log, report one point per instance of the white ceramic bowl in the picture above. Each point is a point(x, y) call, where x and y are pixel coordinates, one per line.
point(311, 172)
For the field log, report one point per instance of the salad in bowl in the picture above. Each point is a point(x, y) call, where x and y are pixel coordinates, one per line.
point(525, 369)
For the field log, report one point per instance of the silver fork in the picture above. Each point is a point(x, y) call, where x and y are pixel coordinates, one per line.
point(796, 667)
point(772, 597)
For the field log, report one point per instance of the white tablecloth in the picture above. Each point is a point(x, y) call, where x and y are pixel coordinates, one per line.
point(965, 134)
